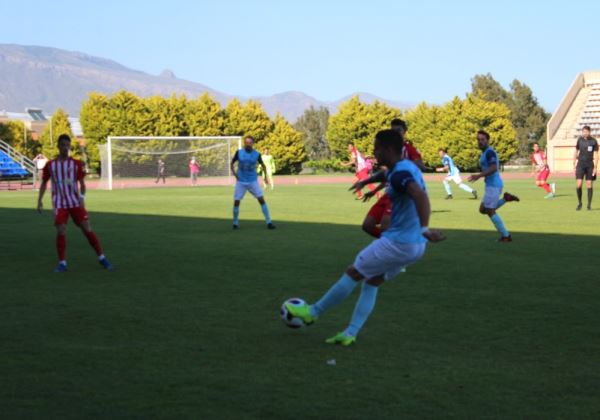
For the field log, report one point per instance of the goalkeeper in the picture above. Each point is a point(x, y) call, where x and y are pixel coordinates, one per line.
point(269, 162)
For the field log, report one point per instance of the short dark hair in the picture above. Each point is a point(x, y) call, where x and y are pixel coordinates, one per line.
point(390, 138)
point(441, 149)
point(249, 137)
point(399, 122)
point(586, 127)
point(63, 137)
point(534, 143)
point(484, 134)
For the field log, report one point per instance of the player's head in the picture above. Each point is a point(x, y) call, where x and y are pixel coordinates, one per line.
point(536, 147)
point(483, 139)
point(388, 147)
point(193, 159)
point(399, 126)
point(64, 145)
point(266, 151)
point(351, 147)
point(248, 143)
point(442, 151)
point(586, 131)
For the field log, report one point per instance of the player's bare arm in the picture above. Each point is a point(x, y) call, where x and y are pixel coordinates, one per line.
point(443, 169)
point(376, 177)
point(575, 158)
point(232, 165)
point(40, 204)
point(489, 171)
point(595, 172)
point(367, 196)
point(263, 168)
point(82, 191)
point(424, 210)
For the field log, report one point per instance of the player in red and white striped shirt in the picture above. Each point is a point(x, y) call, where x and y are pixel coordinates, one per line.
point(68, 191)
point(540, 168)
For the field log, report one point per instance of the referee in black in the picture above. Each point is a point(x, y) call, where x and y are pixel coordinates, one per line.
point(585, 163)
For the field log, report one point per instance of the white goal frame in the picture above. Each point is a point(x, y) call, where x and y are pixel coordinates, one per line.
point(110, 139)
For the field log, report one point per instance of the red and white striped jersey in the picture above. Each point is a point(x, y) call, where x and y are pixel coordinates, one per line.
point(65, 175)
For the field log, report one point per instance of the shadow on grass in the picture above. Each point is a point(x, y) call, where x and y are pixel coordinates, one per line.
point(187, 326)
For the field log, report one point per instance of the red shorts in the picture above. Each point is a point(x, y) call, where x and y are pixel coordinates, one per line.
point(78, 214)
point(383, 207)
point(364, 174)
point(542, 175)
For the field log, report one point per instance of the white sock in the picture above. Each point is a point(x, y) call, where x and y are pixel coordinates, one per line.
point(101, 257)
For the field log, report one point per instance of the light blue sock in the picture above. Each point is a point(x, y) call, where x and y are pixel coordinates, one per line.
point(497, 221)
point(236, 215)
point(265, 210)
point(336, 294)
point(465, 187)
point(362, 310)
point(447, 187)
point(501, 202)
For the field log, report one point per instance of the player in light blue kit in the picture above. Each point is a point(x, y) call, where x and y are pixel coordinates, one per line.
point(493, 185)
point(403, 243)
point(453, 175)
point(247, 180)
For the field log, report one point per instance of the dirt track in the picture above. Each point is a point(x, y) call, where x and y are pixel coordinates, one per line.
point(281, 180)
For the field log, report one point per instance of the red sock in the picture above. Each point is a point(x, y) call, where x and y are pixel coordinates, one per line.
point(61, 246)
point(93, 240)
point(547, 188)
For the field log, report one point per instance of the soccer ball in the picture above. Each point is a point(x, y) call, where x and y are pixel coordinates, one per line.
point(287, 318)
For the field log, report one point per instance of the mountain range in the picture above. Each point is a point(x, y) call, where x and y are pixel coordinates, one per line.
point(48, 78)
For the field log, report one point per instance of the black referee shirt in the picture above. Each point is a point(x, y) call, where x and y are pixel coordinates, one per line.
point(586, 148)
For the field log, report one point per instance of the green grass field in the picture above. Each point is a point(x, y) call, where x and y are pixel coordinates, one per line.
point(188, 326)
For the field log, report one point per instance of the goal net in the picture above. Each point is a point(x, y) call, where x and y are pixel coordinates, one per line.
point(127, 162)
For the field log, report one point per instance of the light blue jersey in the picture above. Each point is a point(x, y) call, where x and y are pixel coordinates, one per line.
point(449, 162)
point(405, 226)
point(490, 157)
point(247, 161)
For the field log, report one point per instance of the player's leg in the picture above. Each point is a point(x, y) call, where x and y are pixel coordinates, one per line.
point(256, 191)
point(458, 181)
point(446, 183)
point(271, 181)
point(238, 195)
point(488, 206)
point(61, 243)
point(590, 191)
point(81, 219)
point(579, 173)
point(387, 256)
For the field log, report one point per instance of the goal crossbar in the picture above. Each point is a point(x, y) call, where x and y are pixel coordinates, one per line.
point(110, 139)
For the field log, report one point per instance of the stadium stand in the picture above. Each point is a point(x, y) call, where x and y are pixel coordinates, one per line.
point(16, 170)
point(579, 107)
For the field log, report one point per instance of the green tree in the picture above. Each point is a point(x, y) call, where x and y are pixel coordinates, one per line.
point(95, 125)
point(286, 145)
point(248, 119)
point(313, 125)
point(59, 124)
point(528, 118)
point(205, 117)
point(454, 125)
point(356, 122)
point(14, 133)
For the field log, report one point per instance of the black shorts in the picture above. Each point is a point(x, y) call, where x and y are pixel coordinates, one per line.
point(585, 170)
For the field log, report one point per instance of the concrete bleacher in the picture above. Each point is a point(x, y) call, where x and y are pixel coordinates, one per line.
point(579, 107)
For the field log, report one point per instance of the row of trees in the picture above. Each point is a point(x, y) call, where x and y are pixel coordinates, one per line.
point(513, 117)
point(125, 114)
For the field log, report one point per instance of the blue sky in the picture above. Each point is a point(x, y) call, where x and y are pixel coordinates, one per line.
point(408, 51)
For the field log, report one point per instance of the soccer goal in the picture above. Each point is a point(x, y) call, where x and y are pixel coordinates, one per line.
point(129, 161)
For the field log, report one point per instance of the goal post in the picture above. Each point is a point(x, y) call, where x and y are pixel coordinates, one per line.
point(142, 161)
